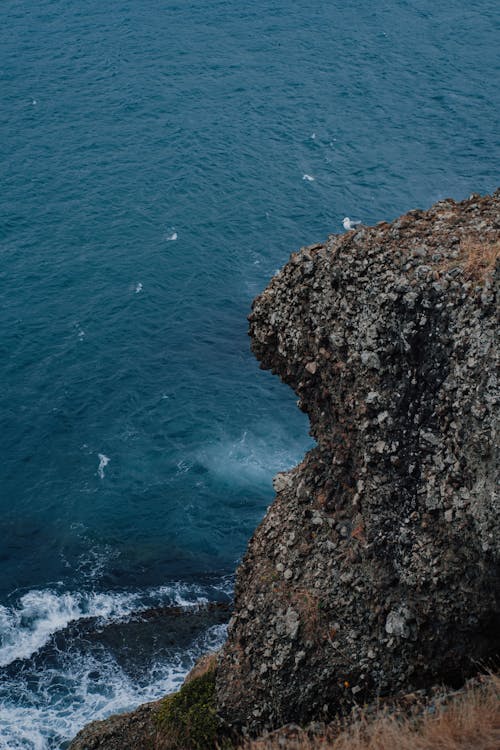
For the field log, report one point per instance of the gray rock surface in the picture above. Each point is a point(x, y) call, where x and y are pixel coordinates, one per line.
point(132, 731)
point(376, 569)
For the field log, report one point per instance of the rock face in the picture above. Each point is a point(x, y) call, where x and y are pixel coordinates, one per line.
point(377, 567)
point(137, 729)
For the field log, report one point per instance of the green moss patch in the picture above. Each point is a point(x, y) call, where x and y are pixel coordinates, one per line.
point(187, 719)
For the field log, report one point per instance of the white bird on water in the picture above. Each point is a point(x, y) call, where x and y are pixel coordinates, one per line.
point(348, 224)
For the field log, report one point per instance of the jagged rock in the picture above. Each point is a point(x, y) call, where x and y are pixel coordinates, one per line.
point(137, 729)
point(387, 335)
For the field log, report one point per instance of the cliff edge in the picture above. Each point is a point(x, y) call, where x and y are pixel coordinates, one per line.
point(376, 569)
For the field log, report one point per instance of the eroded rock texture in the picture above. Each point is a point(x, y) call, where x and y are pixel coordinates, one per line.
point(376, 568)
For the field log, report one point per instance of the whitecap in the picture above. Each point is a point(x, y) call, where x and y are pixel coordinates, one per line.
point(138, 288)
point(103, 462)
point(24, 629)
point(38, 722)
point(34, 714)
point(79, 330)
point(308, 178)
point(172, 236)
point(30, 623)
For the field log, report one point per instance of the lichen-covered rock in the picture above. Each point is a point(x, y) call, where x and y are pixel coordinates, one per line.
point(377, 567)
point(137, 729)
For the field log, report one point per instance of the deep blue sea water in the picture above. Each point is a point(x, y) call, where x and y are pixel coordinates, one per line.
point(155, 164)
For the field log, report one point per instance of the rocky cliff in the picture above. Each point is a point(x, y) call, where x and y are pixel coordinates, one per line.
point(377, 567)
point(376, 570)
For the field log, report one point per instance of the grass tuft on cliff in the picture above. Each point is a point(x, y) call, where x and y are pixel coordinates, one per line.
point(477, 257)
point(469, 721)
point(480, 257)
point(187, 719)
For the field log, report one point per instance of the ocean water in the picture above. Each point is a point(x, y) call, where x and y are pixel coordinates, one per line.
point(158, 162)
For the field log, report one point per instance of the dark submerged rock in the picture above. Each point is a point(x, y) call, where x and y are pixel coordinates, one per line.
point(145, 727)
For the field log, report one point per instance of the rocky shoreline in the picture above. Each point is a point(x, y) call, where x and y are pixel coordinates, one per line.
point(376, 569)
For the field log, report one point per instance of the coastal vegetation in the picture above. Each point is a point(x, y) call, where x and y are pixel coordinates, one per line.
point(465, 719)
point(187, 719)
point(476, 258)
point(471, 719)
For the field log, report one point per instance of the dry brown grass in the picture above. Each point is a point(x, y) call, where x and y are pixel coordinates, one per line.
point(477, 257)
point(470, 721)
point(204, 664)
point(307, 606)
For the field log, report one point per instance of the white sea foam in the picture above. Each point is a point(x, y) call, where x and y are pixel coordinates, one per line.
point(103, 462)
point(93, 562)
point(24, 629)
point(171, 235)
point(79, 330)
point(29, 624)
point(184, 598)
point(138, 288)
point(24, 728)
point(39, 723)
point(308, 178)
point(42, 708)
point(250, 459)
